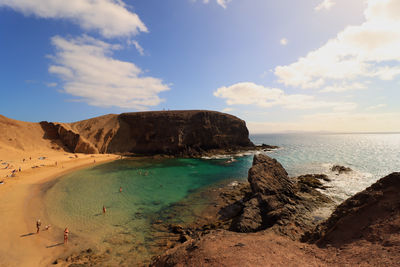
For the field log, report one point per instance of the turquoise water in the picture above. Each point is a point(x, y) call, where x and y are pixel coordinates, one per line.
point(152, 187)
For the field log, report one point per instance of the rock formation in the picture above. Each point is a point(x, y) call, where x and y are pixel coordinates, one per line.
point(277, 200)
point(182, 133)
point(372, 215)
point(65, 137)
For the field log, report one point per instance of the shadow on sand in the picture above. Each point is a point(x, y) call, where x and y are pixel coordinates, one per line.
point(25, 235)
point(55, 245)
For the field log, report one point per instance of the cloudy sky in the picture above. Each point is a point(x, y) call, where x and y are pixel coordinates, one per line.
point(305, 65)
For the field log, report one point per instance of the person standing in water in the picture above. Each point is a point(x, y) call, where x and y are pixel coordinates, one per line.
point(104, 209)
point(120, 189)
point(38, 224)
point(66, 232)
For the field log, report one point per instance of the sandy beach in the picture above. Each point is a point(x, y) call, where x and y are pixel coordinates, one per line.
point(21, 204)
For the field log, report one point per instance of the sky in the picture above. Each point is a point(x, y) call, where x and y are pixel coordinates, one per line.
point(303, 66)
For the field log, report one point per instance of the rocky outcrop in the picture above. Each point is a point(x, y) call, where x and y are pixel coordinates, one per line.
point(178, 133)
point(181, 133)
point(277, 201)
point(340, 169)
point(67, 138)
point(372, 215)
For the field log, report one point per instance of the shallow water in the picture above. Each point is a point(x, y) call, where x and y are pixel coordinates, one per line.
point(153, 188)
point(150, 189)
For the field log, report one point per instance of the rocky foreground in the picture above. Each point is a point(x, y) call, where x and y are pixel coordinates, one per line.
point(275, 223)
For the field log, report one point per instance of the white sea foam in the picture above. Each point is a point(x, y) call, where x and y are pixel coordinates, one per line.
point(345, 185)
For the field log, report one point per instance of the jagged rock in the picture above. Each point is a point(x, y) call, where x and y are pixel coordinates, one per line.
point(277, 201)
point(251, 218)
point(268, 177)
point(311, 181)
point(374, 212)
point(340, 169)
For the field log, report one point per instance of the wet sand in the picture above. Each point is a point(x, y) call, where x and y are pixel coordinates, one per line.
point(21, 204)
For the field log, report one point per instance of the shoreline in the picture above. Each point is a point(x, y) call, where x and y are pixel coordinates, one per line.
point(21, 204)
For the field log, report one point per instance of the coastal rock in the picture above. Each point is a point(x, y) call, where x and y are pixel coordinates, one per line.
point(340, 169)
point(268, 177)
point(180, 133)
point(313, 180)
point(277, 201)
point(372, 215)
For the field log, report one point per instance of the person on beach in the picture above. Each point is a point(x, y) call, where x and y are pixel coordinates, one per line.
point(120, 189)
point(38, 224)
point(104, 209)
point(66, 232)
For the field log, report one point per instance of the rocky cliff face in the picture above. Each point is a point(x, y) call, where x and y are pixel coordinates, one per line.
point(67, 138)
point(182, 133)
point(373, 215)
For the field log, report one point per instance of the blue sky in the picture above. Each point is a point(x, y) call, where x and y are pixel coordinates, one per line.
point(309, 65)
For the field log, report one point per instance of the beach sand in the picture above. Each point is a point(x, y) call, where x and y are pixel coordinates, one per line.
point(21, 203)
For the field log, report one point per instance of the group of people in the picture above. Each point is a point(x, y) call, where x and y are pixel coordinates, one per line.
point(39, 224)
point(66, 230)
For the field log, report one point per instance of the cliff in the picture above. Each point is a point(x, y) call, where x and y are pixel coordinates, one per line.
point(185, 133)
point(176, 133)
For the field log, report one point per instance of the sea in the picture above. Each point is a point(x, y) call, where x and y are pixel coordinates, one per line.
point(163, 191)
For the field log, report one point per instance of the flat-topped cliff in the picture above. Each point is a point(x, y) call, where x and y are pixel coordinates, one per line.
point(178, 133)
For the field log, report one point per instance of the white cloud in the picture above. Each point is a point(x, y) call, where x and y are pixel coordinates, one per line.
point(110, 17)
point(90, 73)
point(283, 41)
point(344, 87)
point(364, 51)
point(223, 3)
point(333, 122)
point(379, 106)
point(325, 4)
point(51, 84)
point(227, 110)
point(138, 47)
point(252, 94)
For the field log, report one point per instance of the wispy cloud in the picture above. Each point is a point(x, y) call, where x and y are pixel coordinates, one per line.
point(252, 94)
point(369, 50)
point(138, 47)
point(343, 87)
point(91, 73)
point(283, 41)
point(325, 4)
point(110, 17)
point(379, 106)
point(222, 3)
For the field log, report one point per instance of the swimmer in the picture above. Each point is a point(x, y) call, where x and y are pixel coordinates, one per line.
point(66, 232)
